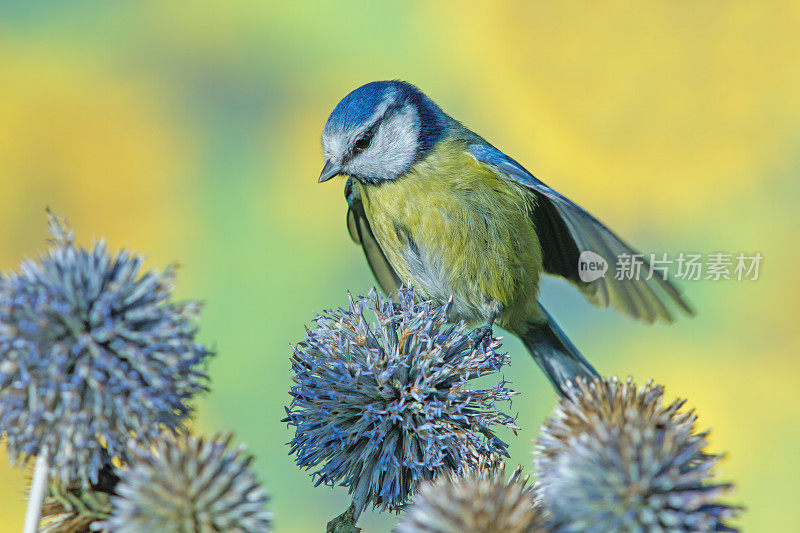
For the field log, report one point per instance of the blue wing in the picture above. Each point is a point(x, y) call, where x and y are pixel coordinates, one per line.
point(565, 230)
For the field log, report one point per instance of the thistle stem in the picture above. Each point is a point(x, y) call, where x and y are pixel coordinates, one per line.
point(344, 523)
point(37, 493)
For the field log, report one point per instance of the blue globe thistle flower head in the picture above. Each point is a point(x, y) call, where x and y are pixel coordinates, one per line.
point(478, 500)
point(92, 351)
point(614, 457)
point(185, 483)
point(379, 409)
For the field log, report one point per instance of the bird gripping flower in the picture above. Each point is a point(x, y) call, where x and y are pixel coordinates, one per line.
point(379, 409)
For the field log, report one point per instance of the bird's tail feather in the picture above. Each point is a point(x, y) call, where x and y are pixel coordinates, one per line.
point(555, 354)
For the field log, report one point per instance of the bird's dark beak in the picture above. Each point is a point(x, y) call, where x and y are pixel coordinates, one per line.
point(329, 171)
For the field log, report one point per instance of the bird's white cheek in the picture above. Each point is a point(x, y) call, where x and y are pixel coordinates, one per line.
point(400, 136)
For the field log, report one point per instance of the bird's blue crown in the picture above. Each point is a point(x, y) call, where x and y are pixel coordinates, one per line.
point(361, 104)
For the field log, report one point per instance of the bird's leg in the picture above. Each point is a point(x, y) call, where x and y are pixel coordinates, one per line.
point(485, 332)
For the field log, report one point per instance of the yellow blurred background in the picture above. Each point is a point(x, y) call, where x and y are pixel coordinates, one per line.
point(190, 132)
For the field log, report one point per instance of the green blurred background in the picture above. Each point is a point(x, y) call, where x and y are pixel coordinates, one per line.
point(190, 132)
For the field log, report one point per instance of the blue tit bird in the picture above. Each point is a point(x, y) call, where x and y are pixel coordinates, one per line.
point(434, 204)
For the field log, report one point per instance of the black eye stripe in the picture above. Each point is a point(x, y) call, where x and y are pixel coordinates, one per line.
point(366, 138)
point(363, 141)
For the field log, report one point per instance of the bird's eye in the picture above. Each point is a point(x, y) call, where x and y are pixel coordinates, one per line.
point(362, 143)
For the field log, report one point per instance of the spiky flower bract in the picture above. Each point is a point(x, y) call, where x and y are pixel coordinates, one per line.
point(75, 509)
point(479, 500)
point(188, 484)
point(379, 409)
point(92, 350)
point(613, 457)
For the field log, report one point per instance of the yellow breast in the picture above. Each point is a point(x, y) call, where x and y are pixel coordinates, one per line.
point(453, 227)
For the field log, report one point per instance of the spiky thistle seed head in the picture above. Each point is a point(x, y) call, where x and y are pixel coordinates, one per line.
point(92, 350)
point(613, 457)
point(478, 500)
point(380, 408)
point(186, 484)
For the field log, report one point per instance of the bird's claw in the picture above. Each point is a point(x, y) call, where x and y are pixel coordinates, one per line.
point(482, 335)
